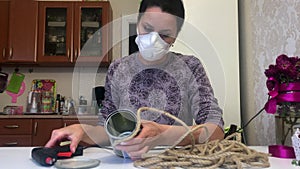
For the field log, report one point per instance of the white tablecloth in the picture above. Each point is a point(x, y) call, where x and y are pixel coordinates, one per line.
point(20, 158)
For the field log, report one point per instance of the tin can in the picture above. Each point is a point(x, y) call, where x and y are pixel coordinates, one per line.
point(119, 125)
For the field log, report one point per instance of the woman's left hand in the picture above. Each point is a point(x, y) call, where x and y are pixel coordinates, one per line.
point(148, 138)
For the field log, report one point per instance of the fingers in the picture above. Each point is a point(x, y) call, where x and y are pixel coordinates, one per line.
point(56, 136)
point(71, 133)
point(74, 144)
point(144, 133)
point(138, 154)
point(133, 151)
point(131, 145)
point(143, 142)
point(149, 129)
point(135, 142)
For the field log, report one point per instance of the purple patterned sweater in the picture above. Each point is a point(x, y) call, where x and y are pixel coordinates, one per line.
point(179, 86)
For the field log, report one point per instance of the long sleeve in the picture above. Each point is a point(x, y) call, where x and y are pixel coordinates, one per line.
point(109, 102)
point(203, 104)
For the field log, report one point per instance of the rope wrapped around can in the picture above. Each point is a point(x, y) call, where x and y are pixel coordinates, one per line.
point(227, 153)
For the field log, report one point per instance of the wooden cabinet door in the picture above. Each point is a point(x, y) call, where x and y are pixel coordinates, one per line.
point(81, 120)
point(22, 35)
point(42, 129)
point(74, 32)
point(92, 33)
point(15, 140)
point(15, 132)
point(15, 126)
point(55, 32)
point(91, 121)
point(4, 8)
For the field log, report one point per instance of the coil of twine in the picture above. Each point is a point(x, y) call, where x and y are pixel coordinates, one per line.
point(227, 153)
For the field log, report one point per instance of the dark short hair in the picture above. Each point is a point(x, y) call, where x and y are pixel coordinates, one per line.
point(173, 7)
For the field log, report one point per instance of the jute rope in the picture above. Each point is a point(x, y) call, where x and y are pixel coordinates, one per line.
point(227, 153)
point(138, 127)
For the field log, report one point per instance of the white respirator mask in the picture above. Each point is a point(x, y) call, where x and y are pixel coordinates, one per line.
point(151, 46)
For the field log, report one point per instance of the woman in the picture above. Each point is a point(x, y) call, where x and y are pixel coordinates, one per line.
point(154, 77)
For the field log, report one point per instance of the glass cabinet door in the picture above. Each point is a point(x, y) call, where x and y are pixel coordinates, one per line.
point(55, 32)
point(90, 33)
point(93, 38)
point(68, 30)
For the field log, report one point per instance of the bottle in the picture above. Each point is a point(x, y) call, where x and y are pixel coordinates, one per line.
point(67, 106)
point(82, 108)
point(94, 107)
point(62, 105)
point(34, 105)
point(29, 101)
point(71, 106)
point(57, 104)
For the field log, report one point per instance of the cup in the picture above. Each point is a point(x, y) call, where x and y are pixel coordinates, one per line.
point(119, 125)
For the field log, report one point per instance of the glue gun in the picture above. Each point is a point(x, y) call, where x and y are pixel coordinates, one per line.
point(48, 156)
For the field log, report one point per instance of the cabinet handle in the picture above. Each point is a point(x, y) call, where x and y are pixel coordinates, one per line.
point(10, 53)
point(76, 54)
point(11, 144)
point(12, 126)
point(65, 124)
point(68, 54)
point(3, 53)
point(35, 128)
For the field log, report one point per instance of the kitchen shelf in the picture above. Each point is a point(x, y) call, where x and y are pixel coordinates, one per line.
point(90, 24)
point(57, 24)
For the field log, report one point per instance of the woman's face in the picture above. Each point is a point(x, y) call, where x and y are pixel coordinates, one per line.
point(154, 20)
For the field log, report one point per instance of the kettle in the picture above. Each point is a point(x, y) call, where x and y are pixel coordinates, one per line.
point(34, 101)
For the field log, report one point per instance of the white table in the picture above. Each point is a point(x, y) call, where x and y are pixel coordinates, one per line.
point(20, 158)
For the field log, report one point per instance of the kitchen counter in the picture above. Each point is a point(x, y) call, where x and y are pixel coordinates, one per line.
point(20, 157)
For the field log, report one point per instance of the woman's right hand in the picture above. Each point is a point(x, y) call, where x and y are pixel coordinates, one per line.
point(73, 133)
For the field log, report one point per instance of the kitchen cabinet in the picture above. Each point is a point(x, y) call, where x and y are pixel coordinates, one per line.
point(27, 132)
point(4, 9)
point(42, 129)
point(75, 32)
point(35, 130)
point(15, 132)
point(91, 120)
point(21, 34)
